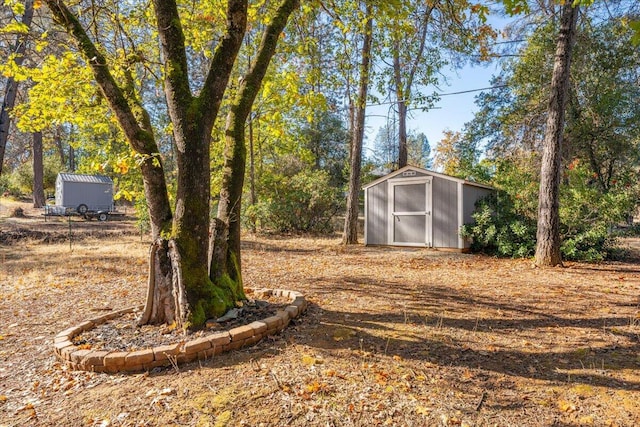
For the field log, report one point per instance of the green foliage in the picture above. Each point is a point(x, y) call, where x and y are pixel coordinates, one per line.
point(386, 147)
point(6, 186)
point(599, 186)
point(457, 155)
point(588, 214)
point(302, 201)
point(499, 228)
point(20, 181)
point(519, 178)
point(505, 223)
point(143, 221)
point(516, 7)
point(326, 139)
point(590, 244)
point(635, 26)
point(76, 99)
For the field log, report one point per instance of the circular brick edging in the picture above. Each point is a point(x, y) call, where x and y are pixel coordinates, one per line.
point(173, 354)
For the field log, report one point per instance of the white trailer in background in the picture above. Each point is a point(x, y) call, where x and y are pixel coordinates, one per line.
point(86, 195)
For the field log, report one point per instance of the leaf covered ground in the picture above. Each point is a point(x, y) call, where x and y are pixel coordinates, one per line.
point(399, 337)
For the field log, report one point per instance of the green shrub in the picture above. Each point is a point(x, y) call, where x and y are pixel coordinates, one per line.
point(20, 181)
point(499, 230)
point(588, 245)
point(505, 223)
point(302, 202)
point(7, 188)
point(588, 214)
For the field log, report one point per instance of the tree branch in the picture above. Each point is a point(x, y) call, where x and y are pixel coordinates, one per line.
point(172, 43)
point(252, 81)
point(423, 39)
point(140, 136)
point(223, 60)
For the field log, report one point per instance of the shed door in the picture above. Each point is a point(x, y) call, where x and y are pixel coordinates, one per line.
point(410, 212)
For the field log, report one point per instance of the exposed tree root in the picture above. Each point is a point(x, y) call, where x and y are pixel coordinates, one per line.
point(166, 301)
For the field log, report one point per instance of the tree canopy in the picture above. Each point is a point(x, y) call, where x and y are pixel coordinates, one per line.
point(219, 115)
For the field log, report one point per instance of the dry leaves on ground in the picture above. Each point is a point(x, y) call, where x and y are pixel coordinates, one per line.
point(402, 337)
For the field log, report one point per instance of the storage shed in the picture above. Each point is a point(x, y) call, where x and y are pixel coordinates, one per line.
point(84, 192)
point(416, 207)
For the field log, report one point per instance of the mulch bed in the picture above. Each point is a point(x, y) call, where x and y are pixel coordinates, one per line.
point(123, 333)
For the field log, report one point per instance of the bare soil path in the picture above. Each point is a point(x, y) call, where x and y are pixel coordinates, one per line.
point(400, 337)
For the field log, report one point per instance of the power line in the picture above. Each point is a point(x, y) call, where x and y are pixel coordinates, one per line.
point(444, 94)
point(472, 90)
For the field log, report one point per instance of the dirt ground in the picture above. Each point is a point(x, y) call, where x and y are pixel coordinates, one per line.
point(397, 337)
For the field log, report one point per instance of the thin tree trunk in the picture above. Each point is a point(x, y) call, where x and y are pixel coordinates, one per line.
point(57, 140)
point(72, 159)
point(227, 226)
point(548, 233)
point(11, 87)
point(403, 89)
point(39, 199)
point(350, 234)
point(401, 104)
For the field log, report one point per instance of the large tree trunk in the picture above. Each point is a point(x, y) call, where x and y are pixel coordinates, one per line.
point(350, 234)
point(225, 254)
point(180, 290)
point(548, 234)
point(39, 199)
point(11, 87)
point(193, 119)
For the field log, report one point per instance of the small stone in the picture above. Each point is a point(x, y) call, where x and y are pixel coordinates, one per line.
point(229, 315)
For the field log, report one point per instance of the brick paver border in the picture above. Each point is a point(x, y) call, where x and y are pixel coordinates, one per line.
point(174, 354)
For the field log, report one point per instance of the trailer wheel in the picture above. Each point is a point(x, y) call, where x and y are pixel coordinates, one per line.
point(82, 209)
point(102, 216)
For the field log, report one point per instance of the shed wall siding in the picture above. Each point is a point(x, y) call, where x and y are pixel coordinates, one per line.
point(444, 210)
point(59, 191)
point(452, 204)
point(377, 212)
point(470, 196)
point(97, 196)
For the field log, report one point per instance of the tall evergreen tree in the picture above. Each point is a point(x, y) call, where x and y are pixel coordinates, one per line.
point(548, 235)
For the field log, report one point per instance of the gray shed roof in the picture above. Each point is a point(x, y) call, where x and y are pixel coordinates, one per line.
point(415, 168)
point(90, 179)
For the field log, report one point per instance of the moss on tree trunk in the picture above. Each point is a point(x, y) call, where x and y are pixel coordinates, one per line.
point(182, 289)
point(225, 252)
